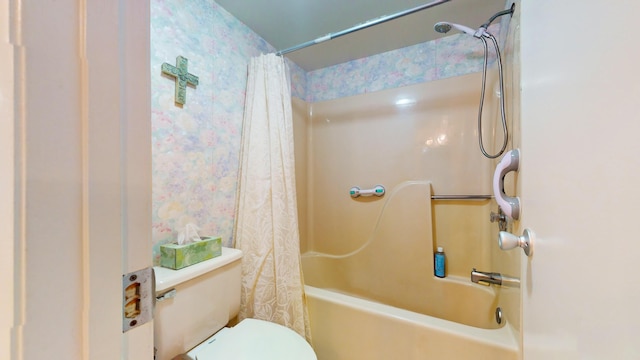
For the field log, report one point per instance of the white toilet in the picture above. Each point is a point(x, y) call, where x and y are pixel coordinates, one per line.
point(196, 303)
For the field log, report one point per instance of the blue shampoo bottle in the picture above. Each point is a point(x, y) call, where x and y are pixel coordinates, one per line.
point(439, 262)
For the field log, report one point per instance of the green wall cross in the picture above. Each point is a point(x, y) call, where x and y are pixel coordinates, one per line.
point(182, 77)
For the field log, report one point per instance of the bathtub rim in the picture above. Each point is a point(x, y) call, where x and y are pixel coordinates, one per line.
point(503, 337)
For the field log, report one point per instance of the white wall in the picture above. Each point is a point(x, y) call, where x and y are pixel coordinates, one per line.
point(579, 178)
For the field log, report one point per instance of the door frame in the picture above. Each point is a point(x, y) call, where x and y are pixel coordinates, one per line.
point(125, 35)
point(6, 183)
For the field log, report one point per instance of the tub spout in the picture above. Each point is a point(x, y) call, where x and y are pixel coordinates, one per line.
point(488, 278)
point(485, 278)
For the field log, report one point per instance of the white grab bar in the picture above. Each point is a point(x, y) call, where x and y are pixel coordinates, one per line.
point(509, 205)
point(355, 191)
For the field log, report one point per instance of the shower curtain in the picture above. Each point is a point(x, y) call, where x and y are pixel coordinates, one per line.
point(266, 228)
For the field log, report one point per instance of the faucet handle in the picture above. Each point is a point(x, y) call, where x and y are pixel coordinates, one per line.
point(508, 241)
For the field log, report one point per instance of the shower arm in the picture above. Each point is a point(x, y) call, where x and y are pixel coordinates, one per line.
point(498, 14)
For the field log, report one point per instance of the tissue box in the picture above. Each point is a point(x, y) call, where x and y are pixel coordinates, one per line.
point(174, 256)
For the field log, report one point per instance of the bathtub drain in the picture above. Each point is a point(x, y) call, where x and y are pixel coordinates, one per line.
point(499, 315)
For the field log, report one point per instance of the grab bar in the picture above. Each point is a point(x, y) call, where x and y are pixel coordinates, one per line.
point(461, 197)
point(355, 191)
point(510, 205)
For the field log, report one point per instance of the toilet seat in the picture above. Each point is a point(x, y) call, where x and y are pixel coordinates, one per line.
point(254, 339)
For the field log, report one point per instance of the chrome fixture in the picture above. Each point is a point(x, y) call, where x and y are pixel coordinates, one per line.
point(482, 34)
point(509, 204)
point(361, 26)
point(355, 191)
point(498, 14)
point(461, 197)
point(444, 27)
point(499, 315)
point(489, 278)
point(500, 218)
point(167, 295)
point(485, 278)
point(508, 241)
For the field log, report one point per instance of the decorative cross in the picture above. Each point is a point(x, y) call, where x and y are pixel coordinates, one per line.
point(182, 77)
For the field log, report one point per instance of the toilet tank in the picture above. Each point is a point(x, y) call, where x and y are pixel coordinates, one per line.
point(206, 297)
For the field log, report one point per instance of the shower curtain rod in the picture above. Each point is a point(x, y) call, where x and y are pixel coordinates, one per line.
point(361, 26)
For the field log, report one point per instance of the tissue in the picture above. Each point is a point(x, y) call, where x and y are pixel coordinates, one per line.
point(189, 249)
point(189, 234)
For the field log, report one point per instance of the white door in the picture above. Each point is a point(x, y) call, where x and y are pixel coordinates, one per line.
point(76, 140)
point(580, 176)
point(6, 184)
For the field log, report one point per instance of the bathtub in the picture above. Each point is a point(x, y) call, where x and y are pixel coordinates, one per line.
point(350, 328)
point(448, 318)
point(372, 293)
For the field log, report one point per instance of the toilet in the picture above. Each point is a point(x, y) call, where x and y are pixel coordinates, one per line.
point(194, 306)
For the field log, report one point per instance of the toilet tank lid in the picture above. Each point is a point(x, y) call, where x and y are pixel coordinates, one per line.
point(168, 278)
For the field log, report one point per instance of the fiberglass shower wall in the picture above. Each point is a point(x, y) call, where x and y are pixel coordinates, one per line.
point(369, 139)
point(408, 114)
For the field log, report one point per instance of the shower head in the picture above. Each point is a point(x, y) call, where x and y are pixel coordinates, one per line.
point(444, 27)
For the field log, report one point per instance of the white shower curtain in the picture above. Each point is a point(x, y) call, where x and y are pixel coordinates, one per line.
point(267, 219)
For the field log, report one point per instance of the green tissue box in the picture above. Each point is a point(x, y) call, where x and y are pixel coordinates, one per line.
point(174, 256)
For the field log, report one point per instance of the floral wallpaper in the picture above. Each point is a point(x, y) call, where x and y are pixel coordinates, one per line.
point(195, 147)
point(446, 57)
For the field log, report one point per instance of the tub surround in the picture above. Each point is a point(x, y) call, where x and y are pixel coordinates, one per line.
point(342, 140)
point(395, 265)
point(340, 147)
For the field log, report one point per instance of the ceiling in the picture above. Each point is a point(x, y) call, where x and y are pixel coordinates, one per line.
point(286, 23)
